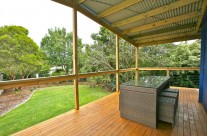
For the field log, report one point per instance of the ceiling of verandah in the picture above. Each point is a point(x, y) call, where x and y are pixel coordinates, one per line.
point(146, 22)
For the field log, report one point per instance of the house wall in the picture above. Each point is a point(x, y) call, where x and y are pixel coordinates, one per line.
point(203, 64)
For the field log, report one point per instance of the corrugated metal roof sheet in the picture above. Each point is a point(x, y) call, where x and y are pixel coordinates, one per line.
point(166, 15)
point(184, 22)
point(169, 33)
point(99, 6)
point(135, 9)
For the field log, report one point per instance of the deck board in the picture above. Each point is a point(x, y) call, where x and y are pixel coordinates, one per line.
point(102, 117)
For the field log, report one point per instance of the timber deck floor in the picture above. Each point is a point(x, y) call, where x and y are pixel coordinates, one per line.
point(102, 117)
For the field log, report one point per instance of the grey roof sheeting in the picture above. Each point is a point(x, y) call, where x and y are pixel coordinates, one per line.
point(180, 23)
point(130, 30)
point(135, 9)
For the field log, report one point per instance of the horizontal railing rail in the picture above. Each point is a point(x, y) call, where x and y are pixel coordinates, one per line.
point(43, 80)
point(169, 68)
point(92, 74)
point(33, 81)
point(127, 70)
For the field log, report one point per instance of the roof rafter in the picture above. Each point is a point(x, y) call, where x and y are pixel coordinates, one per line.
point(203, 9)
point(190, 29)
point(172, 36)
point(120, 6)
point(153, 12)
point(175, 28)
point(81, 1)
point(161, 23)
point(170, 40)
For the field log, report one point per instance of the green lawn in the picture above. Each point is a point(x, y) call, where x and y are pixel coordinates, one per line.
point(46, 103)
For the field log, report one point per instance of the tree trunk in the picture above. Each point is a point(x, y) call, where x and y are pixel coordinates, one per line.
point(66, 70)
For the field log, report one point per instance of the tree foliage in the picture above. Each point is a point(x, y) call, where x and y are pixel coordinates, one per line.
point(185, 55)
point(155, 56)
point(100, 56)
point(57, 45)
point(19, 54)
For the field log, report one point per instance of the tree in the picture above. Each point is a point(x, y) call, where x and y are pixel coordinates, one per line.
point(185, 55)
point(57, 45)
point(103, 49)
point(19, 54)
point(155, 56)
point(101, 56)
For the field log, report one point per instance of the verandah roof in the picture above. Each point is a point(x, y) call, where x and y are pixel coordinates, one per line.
point(146, 22)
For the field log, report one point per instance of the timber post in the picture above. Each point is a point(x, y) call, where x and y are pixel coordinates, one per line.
point(136, 61)
point(168, 72)
point(117, 64)
point(75, 55)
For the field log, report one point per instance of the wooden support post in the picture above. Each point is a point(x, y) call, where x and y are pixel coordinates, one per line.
point(137, 57)
point(168, 72)
point(117, 63)
point(75, 56)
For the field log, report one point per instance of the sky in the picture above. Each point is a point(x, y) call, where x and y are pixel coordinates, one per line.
point(40, 15)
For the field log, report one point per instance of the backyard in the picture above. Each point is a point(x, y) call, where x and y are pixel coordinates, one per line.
point(47, 103)
point(54, 63)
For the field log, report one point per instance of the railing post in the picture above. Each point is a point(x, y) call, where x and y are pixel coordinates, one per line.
point(117, 63)
point(168, 72)
point(75, 55)
point(136, 61)
point(1, 79)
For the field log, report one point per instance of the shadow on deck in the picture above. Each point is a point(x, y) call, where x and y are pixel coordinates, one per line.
point(102, 117)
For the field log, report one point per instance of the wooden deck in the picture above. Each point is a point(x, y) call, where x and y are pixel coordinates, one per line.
point(102, 118)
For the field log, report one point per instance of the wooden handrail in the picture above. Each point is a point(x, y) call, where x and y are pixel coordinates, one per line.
point(96, 74)
point(169, 68)
point(127, 70)
point(43, 80)
point(33, 81)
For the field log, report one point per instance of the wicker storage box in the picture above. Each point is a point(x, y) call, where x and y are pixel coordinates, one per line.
point(167, 109)
point(139, 107)
point(172, 91)
point(138, 99)
point(171, 95)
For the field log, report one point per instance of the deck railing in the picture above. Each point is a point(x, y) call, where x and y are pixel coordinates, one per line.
point(43, 80)
point(168, 69)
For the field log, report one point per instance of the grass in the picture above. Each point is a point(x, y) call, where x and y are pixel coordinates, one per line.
point(46, 103)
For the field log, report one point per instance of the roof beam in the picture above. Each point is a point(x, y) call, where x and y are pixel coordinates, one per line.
point(203, 9)
point(153, 12)
point(163, 30)
point(120, 6)
point(68, 3)
point(170, 40)
point(161, 23)
point(172, 36)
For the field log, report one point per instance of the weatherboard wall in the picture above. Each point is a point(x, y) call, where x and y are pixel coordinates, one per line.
point(203, 64)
